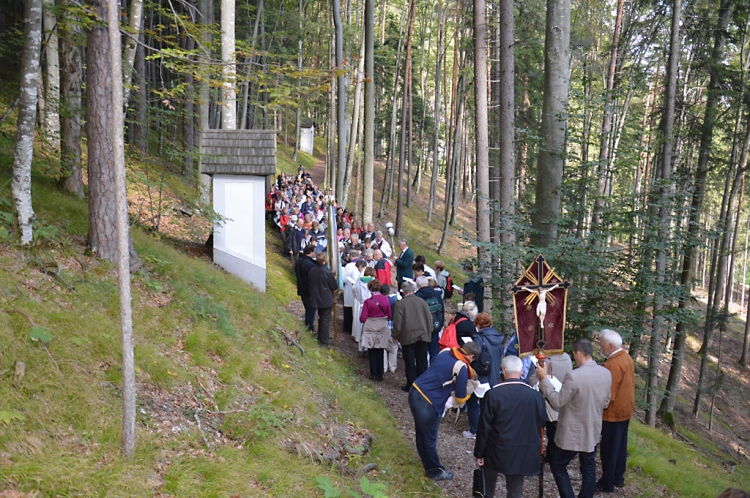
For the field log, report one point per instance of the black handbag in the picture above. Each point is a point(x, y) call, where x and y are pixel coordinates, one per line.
point(479, 486)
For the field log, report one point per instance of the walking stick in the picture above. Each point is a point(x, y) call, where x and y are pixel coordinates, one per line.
point(541, 356)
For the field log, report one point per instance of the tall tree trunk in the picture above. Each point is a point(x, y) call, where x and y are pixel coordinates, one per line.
point(711, 113)
point(359, 76)
point(481, 123)
point(654, 353)
point(229, 67)
point(554, 123)
point(450, 188)
point(102, 236)
point(123, 238)
point(29, 88)
point(603, 166)
point(404, 110)
point(135, 17)
point(506, 144)
point(52, 114)
point(436, 114)
point(205, 8)
point(70, 120)
point(340, 100)
point(369, 160)
point(298, 113)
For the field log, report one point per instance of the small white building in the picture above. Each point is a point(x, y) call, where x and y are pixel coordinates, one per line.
point(307, 137)
point(239, 162)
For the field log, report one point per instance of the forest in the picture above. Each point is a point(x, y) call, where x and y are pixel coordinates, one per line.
point(612, 136)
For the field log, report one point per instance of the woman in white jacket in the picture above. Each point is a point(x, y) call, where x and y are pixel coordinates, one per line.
point(361, 293)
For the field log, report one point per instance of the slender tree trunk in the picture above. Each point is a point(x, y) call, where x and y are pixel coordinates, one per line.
point(123, 238)
point(506, 144)
point(205, 8)
point(482, 142)
point(359, 76)
point(298, 113)
point(603, 167)
point(52, 114)
point(404, 109)
point(340, 101)
point(24, 150)
point(436, 114)
point(369, 160)
point(655, 353)
point(70, 120)
point(229, 67)
point(450, 187)
point(554, 122)
point(134, 27)
point(707, 129)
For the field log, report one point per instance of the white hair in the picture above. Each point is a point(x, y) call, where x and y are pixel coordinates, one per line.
point(512, 364)
point(422, 282)
point(471, 310)
point(611, 337)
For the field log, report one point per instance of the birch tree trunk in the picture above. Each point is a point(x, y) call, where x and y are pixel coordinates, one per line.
point(52, 84)
point(24, 150)
point(369, 162)
point(554, 123)
point(123, 238)
point(229, 66)
point(654, 354)
point(70, 103)
point(128, 56)
point(204, 96)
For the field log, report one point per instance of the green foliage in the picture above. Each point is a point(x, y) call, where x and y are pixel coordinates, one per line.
point(40, 334)
point(8, 416)
point(369, 489)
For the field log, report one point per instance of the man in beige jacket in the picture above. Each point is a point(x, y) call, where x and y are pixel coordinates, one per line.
point(412, 327)
point(581, 401)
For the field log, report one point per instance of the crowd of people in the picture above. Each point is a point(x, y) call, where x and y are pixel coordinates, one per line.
point(464, 364)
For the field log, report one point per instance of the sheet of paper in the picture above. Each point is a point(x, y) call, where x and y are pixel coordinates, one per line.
point(466, 339)
point(555, 383)
point(481, 389)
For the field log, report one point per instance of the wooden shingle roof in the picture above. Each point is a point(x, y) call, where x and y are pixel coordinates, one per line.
point(238, 152)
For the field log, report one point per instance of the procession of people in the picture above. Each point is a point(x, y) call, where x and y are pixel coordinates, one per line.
point(394, 305)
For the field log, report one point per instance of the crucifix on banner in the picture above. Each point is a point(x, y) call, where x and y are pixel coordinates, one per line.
point(539, 302)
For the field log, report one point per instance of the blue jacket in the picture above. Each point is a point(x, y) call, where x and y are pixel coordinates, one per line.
point(491, 339)
point(430, 383)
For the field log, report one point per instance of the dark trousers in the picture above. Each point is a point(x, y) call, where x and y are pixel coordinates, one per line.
point(376, 363)
point(473, 410)
point(513, 484)
point(551, 429)
point(348, 319)
point(415, 360)
point(434, 349)
point(325, 318)
point(614, 453)
point(559, 467)
point(426, 425)
point(309, 313)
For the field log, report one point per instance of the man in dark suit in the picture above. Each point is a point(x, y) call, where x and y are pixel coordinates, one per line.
point(404, 262)
point(322, 286)
point(302, 268)
point(582, 399)
point(509, 440)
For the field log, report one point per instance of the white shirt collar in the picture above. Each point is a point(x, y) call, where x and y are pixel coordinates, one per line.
point(614, 353)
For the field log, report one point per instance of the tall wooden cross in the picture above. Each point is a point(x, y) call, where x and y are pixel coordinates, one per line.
point(537, 327)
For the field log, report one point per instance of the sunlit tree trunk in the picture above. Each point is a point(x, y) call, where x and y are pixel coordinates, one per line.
point(24, 149)
point(436, 136)
point(369, 131)
point(229, 67)
point(482, 141)
point(52, 114)
point(404, 111)
point(340, 101)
